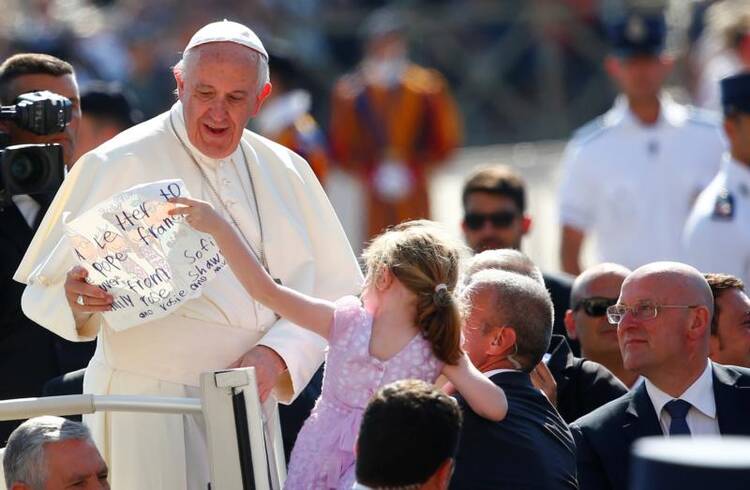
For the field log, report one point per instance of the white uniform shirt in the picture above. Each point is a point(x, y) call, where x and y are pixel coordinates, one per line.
point(717, 234)
point(631, 186)
point(701, 418)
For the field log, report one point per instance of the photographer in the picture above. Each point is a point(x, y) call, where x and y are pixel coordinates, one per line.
point(30, 354)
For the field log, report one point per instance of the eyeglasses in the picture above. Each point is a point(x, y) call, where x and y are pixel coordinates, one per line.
point(641, 311)
point(500, 219)
point(595, 306)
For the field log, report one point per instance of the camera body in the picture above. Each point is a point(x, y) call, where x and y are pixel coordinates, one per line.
point(33, 168)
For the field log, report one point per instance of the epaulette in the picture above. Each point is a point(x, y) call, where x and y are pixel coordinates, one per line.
point(723, 206)
point(704, 117)
point(590, 130)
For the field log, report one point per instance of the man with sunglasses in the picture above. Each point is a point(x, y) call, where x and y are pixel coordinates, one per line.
point(630, 177)
point(663, 318)
point(596, 289)
point(494, 201)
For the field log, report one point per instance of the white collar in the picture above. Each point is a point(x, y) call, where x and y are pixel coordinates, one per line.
point(670, 113)
point(737, 172)
point(177, 116)
point(700, 394)
point(493, 372)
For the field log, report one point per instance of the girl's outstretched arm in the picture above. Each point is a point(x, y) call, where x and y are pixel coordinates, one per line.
point(483, 396)
point(312, 313)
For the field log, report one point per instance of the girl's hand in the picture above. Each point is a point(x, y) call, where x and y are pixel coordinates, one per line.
point(201, 215)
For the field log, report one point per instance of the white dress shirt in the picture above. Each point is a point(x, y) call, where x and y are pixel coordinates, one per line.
point(717, 234)
point(701, 417)
point(27, 207)
point(631, 187)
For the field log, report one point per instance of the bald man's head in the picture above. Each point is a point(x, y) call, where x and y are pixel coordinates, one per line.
point(588, 279)
point(676, 282)
point(665, 326)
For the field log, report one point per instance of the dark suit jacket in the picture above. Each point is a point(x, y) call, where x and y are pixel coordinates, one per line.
point(29, 354)
point(531, 448)
point(559, 285)
point(582, 385)
point(603, 437)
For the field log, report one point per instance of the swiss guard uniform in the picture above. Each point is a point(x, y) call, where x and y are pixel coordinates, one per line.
point(632, 186)
point(391, 136)
point(286, 119)
point(717, 235)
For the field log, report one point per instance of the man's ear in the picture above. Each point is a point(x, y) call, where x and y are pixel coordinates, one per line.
point(262, 96)
point(525, 224)
point(701, 323)
point(442, 477)
point(570, 325)
point(180, 82)
point(503, 342)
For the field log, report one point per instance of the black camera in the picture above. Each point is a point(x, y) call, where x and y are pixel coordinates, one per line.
point(33, 168)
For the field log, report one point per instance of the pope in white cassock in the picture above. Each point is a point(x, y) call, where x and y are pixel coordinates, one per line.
point(277, 205)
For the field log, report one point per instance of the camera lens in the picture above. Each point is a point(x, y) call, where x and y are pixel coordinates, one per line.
point(26, 171)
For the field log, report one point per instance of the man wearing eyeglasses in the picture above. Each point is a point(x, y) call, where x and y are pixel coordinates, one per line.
point(663, 318)
point(494, 201)
point(596, 289)
point(630, 177)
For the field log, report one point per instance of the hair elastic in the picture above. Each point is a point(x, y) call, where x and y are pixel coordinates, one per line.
point(440, 287)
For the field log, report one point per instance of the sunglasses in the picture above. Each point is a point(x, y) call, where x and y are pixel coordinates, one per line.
point(595, 306)
point(500, 219)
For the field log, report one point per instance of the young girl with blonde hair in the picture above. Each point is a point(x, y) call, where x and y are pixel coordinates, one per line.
point(406, 324)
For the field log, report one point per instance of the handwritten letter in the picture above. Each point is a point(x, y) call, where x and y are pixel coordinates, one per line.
point(149, 261)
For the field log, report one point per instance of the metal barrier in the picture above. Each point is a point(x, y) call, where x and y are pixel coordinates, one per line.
point(244, 436)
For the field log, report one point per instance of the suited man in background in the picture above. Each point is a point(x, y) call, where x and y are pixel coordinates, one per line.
point(29, 354)
point(663, 319)
point(532, 447)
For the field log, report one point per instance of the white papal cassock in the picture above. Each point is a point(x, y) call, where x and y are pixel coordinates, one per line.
point(305, 247)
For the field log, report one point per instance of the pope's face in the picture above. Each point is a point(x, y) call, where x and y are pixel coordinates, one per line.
point(218, 88)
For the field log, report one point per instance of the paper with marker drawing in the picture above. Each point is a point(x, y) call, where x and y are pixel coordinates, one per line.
point(149, 261)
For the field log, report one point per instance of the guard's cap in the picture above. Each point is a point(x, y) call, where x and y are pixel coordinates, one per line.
point(735, 93)
point(690, 463)
point(382, 23)
point(227, 31)
point(638, 34)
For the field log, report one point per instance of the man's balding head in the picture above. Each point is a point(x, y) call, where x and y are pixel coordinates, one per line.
point(676, 281)
point(506, 259)
point(588, 279)
point(586, 321)
point(666, 340)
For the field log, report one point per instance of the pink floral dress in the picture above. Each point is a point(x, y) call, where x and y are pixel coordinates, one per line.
point(323, 456)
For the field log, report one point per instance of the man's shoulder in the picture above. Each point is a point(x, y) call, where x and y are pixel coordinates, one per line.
point(598, 376)
point(732, 375)
point(605, 417)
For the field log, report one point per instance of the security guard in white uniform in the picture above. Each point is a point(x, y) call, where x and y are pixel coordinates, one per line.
point(717, 234)
point(631, 176)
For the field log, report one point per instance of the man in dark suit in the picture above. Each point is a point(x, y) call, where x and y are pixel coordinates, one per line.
point(30, 354)
point(494, 201)
point(663, 319)
point(575, 386)
point(506, 332)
